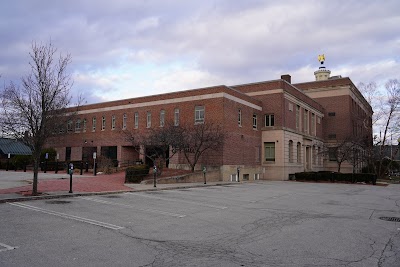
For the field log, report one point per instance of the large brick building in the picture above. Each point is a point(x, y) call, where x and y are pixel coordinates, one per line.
point(272, 128)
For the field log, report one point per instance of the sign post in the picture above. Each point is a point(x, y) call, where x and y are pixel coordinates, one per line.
point(94, 163)
point(204, 174)
point(155, 175)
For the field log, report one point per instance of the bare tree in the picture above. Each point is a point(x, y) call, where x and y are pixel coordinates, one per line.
point(199, 138)
point(155, 143)
point(34, 110)
point(386, 120)
point(341, 152)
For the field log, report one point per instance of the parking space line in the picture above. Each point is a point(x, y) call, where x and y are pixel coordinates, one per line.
point(133, 207)
point(67, 216)
point(6, 247)
point(178, 200)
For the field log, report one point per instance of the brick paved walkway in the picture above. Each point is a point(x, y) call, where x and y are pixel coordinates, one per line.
point(99, 183)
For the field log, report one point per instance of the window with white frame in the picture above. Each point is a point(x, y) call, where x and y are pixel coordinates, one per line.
point(69, 126)
point(256, 176)
point(269, 120)
point(113, 122)
point(103, 123)
point(94, 124)
point(78, 125)
point(240, 117)
point(148, 121)
point(162, 118)
point(255, 121)
point(124, 120)
point(199, 114)
point(176, 117)
point(136, 120)
point(269, 150)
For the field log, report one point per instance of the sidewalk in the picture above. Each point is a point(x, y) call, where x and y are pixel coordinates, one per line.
point(58, 186)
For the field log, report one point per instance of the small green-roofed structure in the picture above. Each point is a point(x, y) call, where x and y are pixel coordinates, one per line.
point(13, 147)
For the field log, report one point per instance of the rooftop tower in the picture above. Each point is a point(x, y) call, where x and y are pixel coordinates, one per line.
point(322, 73)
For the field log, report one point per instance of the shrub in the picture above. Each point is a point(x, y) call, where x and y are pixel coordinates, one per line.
point(135, 174)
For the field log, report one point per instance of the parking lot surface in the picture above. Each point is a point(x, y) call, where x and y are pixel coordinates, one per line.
point(250, 224)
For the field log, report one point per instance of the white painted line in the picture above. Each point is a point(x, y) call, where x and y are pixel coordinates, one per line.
point(178, 200)
point(6, 247)
point(133, 207)
point(67, 216)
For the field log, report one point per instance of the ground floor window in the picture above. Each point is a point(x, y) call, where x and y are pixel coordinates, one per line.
point(233, 177)
point(256, 176)
point(269, 148)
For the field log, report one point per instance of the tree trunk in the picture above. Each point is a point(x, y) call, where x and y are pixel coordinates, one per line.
point(35, 176)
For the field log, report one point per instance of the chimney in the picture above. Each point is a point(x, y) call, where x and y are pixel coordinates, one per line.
point(286, 77)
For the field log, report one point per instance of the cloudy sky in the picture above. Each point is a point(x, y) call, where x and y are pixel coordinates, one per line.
point(129, 48)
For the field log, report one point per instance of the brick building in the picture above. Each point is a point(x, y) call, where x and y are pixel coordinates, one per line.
point(273, 128)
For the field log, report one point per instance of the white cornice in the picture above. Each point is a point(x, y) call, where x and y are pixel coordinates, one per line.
point(171, 101)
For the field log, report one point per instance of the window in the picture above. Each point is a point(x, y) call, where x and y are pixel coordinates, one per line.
point(256, 176)
point(240, 117)
point(305, 124)
point(269, 151)
point(331, 114)
point(233, 177)
point(84, 125)
point(313, 124)
point(255, 121)
point(136, 120)
point(199, 114)
point(331, 136)
point(298, 152)
point(103, 123)
point(162, 118)
point(290, 151)
point(113, 122)
point(332, 153)
point(258, 154)
point(94, 124)
point(148, 122)
point(124, 119)
point(69, 126)
point(176, 117)
point(297, 117)
point(78, 125)
point(269, 120)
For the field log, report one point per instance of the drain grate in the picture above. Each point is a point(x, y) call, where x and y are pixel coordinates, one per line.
point(58, 202)
point(390, 219)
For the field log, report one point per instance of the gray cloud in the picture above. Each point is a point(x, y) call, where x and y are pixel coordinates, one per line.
point(212, 41)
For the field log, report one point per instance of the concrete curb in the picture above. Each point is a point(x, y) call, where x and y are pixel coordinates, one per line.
point(67, 195)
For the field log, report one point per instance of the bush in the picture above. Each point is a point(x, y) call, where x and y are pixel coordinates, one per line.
point(337, 177)
point(135, 174)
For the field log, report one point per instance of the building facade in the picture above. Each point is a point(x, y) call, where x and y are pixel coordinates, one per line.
point(272, 129)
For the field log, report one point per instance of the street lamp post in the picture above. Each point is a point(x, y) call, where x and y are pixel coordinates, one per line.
point(238, 173)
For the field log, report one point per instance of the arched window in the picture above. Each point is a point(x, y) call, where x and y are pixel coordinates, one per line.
point(298, 152)
point(290, 151)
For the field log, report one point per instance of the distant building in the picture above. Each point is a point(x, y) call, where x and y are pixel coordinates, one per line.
point(13, 147)
point(273, 128)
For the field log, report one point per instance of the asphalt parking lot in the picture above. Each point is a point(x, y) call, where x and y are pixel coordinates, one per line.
point(250, 224)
